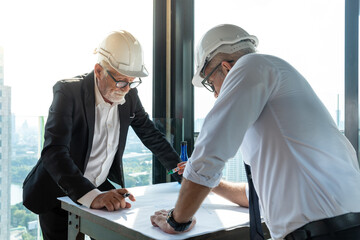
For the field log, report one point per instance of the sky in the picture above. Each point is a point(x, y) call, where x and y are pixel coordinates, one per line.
point(309, 34)
point(45, 41)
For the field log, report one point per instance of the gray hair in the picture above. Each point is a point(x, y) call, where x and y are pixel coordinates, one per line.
point(105, 66)
point(230, 56)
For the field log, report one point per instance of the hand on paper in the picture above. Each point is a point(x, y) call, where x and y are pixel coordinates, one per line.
point(112, 200)
point(159, 220)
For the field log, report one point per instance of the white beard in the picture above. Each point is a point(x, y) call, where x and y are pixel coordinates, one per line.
point(115, 96)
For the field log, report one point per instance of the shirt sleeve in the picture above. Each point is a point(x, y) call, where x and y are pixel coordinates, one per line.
point(88, 198)
point(244, 93)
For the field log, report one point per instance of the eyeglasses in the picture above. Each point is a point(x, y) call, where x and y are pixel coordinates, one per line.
point(205, 83)
point(122, 84)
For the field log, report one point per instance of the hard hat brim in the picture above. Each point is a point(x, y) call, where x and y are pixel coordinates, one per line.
point(196, 80)
point(142, 73)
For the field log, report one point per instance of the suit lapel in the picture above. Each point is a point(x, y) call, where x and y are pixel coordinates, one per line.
point(89, 106)
point(124, 113)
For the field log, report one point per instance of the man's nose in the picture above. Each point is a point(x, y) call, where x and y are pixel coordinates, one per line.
point(216, 94)
point(126, 88)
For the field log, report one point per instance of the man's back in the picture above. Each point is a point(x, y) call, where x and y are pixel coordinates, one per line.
point(303, 167)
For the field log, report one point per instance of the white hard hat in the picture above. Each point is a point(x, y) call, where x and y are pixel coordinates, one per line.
point(124, 53)
point(225, 38)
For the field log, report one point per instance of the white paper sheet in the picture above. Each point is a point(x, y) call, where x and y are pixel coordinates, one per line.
point(216, 213)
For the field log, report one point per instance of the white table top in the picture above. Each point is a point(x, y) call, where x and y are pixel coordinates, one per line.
point(216, 213)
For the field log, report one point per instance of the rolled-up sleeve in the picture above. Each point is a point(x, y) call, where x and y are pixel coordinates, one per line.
point(195, 172)
point(244, 93)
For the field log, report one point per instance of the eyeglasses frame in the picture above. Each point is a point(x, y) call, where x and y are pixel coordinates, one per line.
point(121, 81)
point(205, 83)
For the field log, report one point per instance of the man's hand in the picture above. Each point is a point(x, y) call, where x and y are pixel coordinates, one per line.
point(112, 200)
point(181, 165)
point(190, 197)
point(159, 220)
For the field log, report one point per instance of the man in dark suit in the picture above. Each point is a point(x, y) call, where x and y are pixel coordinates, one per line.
point(85, 137)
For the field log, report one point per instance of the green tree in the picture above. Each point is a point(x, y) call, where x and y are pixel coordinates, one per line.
point(28, 236)
point(20, 216)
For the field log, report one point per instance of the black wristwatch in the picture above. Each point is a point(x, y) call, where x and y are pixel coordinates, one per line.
point(179, 227)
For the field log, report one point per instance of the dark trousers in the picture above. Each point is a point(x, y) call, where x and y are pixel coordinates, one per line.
point(54, 224)
point(343, 227)
point(349, 234)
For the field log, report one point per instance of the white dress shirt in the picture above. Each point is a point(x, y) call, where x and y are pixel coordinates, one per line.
point(105, 144)
point(303, 167)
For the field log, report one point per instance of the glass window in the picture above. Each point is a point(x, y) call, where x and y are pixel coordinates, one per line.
point(62, 47)
point(60, 41)
point(308, 34)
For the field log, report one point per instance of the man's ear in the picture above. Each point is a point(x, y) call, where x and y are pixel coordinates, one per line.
point(98, 70)
point(226, 67)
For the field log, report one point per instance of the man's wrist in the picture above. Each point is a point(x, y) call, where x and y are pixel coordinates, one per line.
point(88, 198)
point(179, 227)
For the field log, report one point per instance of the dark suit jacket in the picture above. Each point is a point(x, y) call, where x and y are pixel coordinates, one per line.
point(69, 134)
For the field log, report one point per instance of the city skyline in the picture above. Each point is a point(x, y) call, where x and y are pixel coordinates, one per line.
point(5, 152)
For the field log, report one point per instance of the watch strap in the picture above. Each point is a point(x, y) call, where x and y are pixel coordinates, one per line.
point(179, 227)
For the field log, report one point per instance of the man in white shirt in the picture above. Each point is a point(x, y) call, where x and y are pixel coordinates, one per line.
point(85, 137)
point(304, 170)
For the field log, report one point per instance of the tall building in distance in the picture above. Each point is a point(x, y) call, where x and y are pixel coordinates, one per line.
point(5, 151)
point(234, 170)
